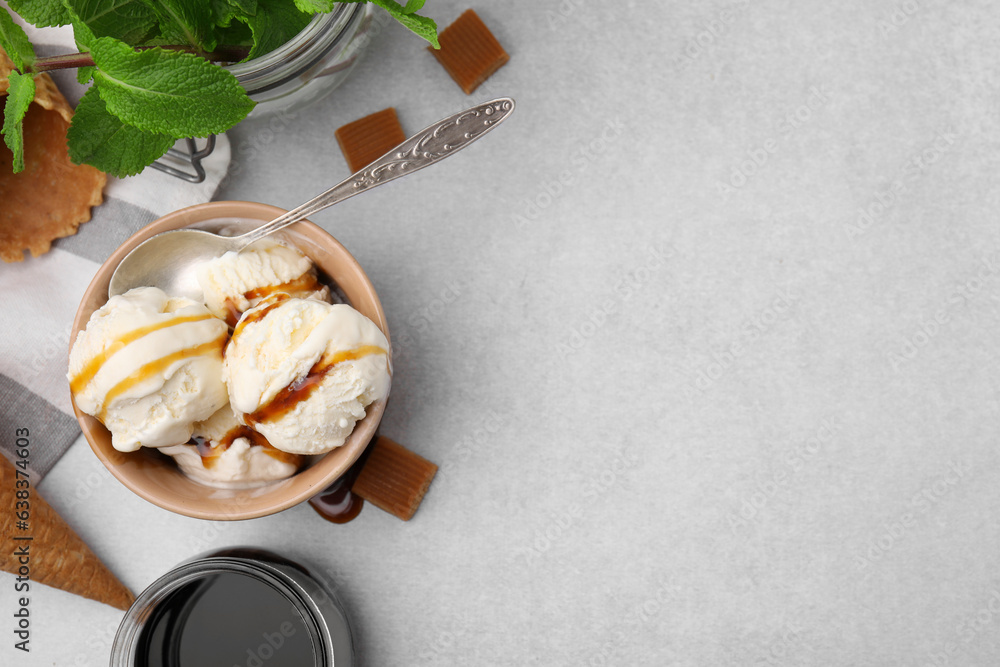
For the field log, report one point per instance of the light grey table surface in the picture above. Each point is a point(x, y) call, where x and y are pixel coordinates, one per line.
point(703, 338)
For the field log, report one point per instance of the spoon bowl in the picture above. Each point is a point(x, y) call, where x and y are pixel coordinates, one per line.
point(168, 260)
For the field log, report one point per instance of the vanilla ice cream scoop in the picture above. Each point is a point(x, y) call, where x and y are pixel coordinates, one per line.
point(226, 454)
point(301, 372)
point(149, 366)
point(235, 282)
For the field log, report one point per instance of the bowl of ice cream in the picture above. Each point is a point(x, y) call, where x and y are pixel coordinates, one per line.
point(244, 403)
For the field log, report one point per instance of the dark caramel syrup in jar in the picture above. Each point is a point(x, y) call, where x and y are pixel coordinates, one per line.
point(225, 619)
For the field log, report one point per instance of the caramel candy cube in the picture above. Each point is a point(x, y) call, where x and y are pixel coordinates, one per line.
point(469, 52)
point(369, 138)
point(394, 479)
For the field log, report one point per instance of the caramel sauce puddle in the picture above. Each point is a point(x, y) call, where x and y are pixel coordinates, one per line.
point(337, 503)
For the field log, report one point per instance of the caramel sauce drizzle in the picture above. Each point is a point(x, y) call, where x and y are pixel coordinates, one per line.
point(260, 314)
point(232, 312)
point(307, 282)
point(210, 453)
point(90, 369)
point(300, 389)
point(158, 366)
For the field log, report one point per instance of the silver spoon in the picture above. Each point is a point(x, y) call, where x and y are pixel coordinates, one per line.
point(168, 260)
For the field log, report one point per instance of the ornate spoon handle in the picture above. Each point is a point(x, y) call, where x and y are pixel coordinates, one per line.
point(443, 138)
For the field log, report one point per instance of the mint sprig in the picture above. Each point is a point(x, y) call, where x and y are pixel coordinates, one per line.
point(151, 64)
point(274, 23)
point(42, 13)
point(19, 96)
point(170, 92)
point(131, 21)
point(15, 42)
point(419, 25)
point(188, 22)
point(99, 138)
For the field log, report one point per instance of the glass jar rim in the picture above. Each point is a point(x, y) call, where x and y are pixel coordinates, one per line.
point(298, 52)
point(125, 645)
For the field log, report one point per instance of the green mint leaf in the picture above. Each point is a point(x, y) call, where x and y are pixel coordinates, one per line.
point(19, 96)
point(225, 11)
point(131, 21)
point(315, 6)
point(185, 22)
point(419, 25)
point(168, 92)
point(15, 42)
point(85, 74)
point(102, 140)
point(42, 13)
point(248, 7)
point(238, 34)
point(276, 22)
point(82, 35)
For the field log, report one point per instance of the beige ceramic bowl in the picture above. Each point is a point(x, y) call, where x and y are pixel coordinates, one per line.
point(154, 476)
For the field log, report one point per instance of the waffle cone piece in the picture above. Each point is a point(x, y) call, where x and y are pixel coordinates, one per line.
point(57, 555)
point(52, 196)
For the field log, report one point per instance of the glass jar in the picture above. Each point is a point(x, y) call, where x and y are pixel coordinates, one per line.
point(310, 65)
point(241, 606)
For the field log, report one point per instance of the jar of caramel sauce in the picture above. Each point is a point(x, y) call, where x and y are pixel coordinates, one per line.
point(240, 606)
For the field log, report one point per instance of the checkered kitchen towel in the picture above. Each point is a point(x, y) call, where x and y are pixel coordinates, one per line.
point(41, 294)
